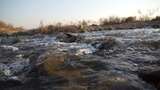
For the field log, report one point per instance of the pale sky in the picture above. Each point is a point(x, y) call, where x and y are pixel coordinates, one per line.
point(29, 13)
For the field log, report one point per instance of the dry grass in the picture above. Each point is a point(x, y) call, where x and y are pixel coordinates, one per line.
point(7, 28)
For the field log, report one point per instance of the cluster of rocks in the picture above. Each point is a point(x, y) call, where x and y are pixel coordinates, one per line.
point(61, 71)
point(114, 65)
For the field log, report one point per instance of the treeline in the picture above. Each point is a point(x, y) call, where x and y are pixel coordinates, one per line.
point(104, 24)
point(119, 20)
point(110, 23)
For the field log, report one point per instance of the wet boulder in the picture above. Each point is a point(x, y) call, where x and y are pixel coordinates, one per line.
point(108, 43)
point(68, 37)
point(151, 74)
point(60, 63)
point(61, 66)
point(109, 46)
point(111, 80)
point(10, 82)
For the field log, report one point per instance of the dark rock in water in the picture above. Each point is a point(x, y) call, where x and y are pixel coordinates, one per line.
point(32, 84)
point(151, 74)
point(10, 83)
point(155, 26)
point(9, 40)
point(58, 63)
point(109, 80)
point(68, 38)
point(108, 43)
point(108, 47)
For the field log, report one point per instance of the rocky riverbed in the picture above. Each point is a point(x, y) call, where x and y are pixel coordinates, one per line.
point(100, 60)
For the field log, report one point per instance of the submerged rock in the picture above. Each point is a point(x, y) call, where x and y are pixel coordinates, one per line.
point(9, 83)
point(69, 38)
point(108, 43)
point(109, 47)
point(61, 64)
point(110, 80)
point(151, 74)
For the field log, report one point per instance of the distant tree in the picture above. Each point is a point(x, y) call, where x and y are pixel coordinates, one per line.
point(50, 28)
point(130, 19)
point(82, 25)
point(114, 20)
point(157, 18)
point(104, 21)
point(110, 20)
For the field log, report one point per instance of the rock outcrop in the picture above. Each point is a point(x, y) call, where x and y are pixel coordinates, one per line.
point(69, 38)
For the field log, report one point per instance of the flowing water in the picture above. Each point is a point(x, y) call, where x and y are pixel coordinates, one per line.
point(136, 49)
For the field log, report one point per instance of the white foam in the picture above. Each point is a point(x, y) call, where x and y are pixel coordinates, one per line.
point(10, 47)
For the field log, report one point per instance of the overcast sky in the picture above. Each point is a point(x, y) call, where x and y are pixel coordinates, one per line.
point(28, 13)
